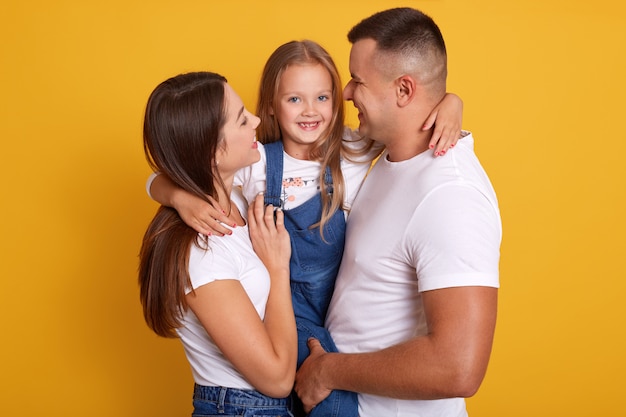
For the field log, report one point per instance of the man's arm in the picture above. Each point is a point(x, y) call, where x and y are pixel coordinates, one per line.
point(450, 361)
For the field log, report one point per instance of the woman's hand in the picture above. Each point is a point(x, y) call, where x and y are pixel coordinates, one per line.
point(269, 237)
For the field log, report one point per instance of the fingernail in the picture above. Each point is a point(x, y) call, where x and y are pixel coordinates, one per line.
point(431, 146)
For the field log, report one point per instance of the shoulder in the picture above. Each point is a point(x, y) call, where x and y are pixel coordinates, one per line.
point(357, 148)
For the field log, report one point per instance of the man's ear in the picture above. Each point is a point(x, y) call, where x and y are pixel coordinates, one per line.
point(406, 87)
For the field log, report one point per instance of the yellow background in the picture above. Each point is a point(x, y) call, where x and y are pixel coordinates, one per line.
point(543, 87)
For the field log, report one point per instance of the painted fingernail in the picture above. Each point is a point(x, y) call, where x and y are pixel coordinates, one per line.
point(431, 146)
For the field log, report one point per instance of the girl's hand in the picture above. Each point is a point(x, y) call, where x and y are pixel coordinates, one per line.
point(447, 118)
point(205, 218)
point(201, 216)
point(269, 237)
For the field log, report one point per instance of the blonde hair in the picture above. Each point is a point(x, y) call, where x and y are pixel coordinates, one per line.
point(329, 147)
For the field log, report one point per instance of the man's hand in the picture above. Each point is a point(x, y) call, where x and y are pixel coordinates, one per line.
point(309, 380)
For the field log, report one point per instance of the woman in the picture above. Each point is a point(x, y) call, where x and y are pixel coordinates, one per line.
point(228, 299)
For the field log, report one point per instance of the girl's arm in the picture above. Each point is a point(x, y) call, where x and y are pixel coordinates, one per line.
point(201, 216)
point(263, 351)
point(447, 119)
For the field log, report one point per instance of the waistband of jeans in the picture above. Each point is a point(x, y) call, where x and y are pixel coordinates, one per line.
point(237, 396)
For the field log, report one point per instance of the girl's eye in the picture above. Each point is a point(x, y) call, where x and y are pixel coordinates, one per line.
point(323, 98)
point(293, 100)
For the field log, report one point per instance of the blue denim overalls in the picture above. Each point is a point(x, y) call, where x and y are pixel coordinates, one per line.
point(313, 268)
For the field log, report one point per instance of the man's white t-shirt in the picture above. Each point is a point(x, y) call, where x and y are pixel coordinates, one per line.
point(417, 225)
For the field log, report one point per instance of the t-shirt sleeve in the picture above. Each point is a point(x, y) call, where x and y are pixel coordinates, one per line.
point(149, 183)
point(355, 142)
point(213, 264)
point(455, 239)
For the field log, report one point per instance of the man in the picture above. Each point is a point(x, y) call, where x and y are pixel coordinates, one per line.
point(414, 307)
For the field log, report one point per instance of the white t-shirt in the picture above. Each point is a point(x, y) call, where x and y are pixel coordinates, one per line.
point(301, 178)
point(417, 225)
point(228, 257)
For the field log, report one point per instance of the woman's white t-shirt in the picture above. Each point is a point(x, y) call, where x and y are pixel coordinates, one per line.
point(228, 257)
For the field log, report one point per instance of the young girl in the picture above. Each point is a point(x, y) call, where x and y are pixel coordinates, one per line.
point(228, 299)
point(311, 167)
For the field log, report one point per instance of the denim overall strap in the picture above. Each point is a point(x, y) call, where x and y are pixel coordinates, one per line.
point(274, 173)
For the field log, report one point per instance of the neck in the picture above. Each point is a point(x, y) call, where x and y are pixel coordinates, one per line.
point(406, 147)
point(297, 150)
point(223, 194)
point(229, 208)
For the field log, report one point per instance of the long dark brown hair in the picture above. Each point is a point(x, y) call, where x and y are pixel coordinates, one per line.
point(182, 132)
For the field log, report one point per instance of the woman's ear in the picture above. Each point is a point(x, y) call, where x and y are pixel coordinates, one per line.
point(405, 90)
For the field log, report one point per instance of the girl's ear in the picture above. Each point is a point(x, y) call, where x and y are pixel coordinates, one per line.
point(271, 110)
point(405, 90)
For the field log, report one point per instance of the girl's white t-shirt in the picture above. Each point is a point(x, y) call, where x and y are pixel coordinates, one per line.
point(301, 178)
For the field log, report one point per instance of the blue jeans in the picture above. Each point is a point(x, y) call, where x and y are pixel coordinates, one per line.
point(227, 402)
point(313, 269)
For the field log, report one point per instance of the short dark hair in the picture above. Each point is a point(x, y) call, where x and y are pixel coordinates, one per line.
point(412, 37)
point(394, 30)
